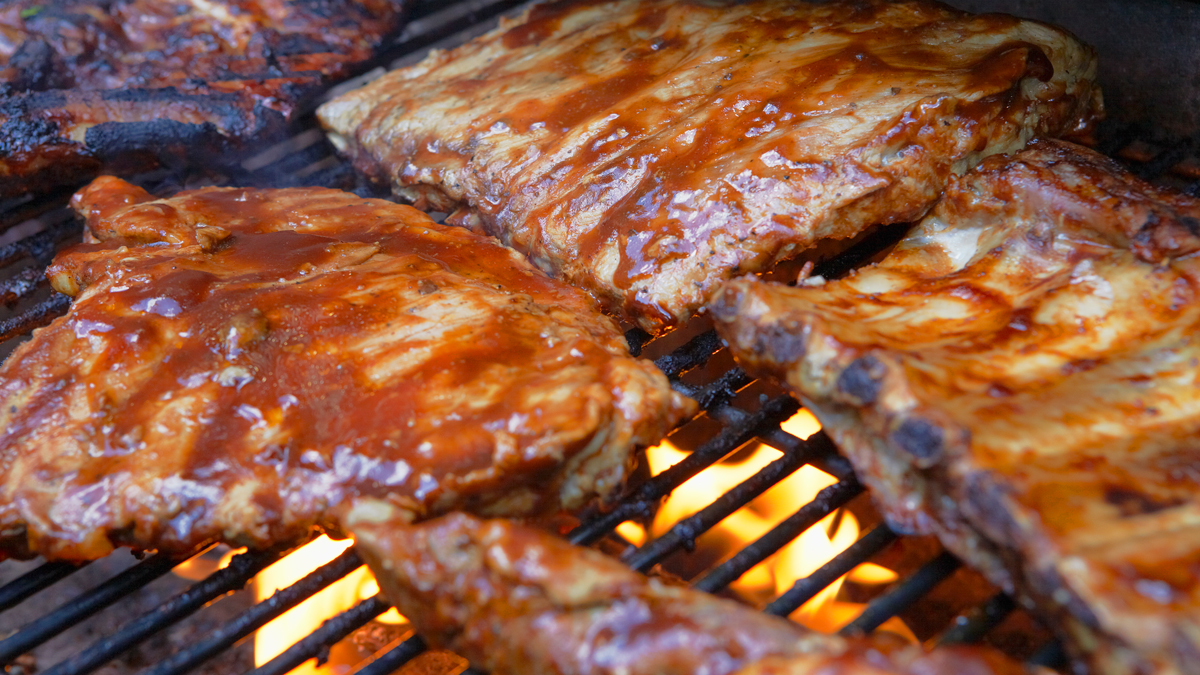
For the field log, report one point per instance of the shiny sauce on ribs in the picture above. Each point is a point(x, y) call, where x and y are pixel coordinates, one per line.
point(236, 363)
point(647, 151)
point(1019, 376)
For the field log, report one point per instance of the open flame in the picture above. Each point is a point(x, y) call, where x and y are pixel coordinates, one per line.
point(775, 575)
point(290, 627)
point(198, 567)
point(800, 558)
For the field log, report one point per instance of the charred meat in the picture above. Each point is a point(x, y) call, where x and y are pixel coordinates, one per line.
point(517, 600)
point(1019, 376)
point(647, 150)
point(238, 363)
point(121, 84)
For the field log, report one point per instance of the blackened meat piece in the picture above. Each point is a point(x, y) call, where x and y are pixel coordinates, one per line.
point(124, 84)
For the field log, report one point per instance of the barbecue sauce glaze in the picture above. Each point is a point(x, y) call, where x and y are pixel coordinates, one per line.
point(647, 151)
point(236, 363)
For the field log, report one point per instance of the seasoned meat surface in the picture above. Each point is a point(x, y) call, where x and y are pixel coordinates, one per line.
point(514, 600)
point(647, 150)
point(1019, 376)
point(120, 84)
point(238, 362)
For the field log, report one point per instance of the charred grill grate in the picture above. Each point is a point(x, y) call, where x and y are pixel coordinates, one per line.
point(32, 230)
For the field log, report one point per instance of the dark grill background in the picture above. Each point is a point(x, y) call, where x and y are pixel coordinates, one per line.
point(149, 617)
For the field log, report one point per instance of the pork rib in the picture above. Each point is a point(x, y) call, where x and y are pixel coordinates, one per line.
point(647, 150)
point(236, 363)
point(1019, 377)
point(120, 85)
point(512, 599)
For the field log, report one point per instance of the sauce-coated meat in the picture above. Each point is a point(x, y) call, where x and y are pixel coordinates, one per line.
point(515, 600)
point(1020, 376)
point(647, 150)
point(121, 84)
point(237, 363)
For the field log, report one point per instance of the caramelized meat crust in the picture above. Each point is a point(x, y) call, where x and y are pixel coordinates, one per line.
point(517, 600)
point(647, 150)
point(118, 84)
point(236, 363)
point(1020, 376)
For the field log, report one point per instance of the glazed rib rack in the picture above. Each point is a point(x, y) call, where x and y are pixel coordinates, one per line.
point(737, 412)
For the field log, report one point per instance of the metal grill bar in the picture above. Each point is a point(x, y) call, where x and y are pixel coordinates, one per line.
point(683, 534)
point(33, 581)
point(22, 284)
point(718, 392)
point(696, 352)
point(41, 246)
point(241, 570)
point(645, 497)
point(827, 459)
point(15, 211)
point(426, 31)
point(826, 502)
point(904, 594)
point(330, 632)
point(250, 620)
point(84, 606)
point(394, 657)
point(807, 588)
point(37, 316)
point(976, 624)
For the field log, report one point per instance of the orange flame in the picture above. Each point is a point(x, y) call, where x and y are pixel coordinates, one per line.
point(800, 558)
point(199, 566)
point(290, 627)
point(776, 574)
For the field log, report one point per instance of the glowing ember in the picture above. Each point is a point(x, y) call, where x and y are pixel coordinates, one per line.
point(293, 625)
point(800, 558)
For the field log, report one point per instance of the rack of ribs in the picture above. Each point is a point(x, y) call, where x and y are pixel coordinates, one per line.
point(1019, 377)
point(647, 150)
point(122, 85)
point(513, 599)
point(237, 364)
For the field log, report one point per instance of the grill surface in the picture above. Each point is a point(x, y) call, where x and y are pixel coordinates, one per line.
point(738, 412)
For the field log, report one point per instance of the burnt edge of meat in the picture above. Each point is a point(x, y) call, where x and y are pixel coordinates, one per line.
point(922, 439)
point(235, 102)
point(32, 135)
point(862, 380)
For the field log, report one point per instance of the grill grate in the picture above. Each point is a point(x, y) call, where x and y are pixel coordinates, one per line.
point(37, 228)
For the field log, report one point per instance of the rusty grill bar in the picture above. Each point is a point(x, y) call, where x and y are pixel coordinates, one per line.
point(32, 230)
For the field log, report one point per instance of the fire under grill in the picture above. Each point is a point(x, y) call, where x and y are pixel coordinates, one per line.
point(738, 413)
